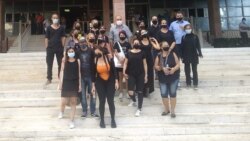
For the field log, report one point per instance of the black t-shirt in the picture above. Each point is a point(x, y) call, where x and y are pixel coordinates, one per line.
point(168, 37)
point(152, 31)
point(55, 37)
point(135, 64)
point(86, 61)
point(125, 47)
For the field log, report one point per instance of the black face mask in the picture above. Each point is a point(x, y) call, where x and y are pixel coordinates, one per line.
point(122, 38)
point(144, 36)
point(102, 31)
point(98, 55)
point(136, 46)
point(91, 40)
point(154, 22)
point(104, 50)
point(95, 25)
point(83, 47)
point(76, 35)
point(78, 27)
point(179, 19)
point(164, 26)
point(142, 27)
point(165, 49)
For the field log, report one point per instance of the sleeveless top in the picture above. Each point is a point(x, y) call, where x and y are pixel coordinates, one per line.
point(71, 71)
point(168, 61)
point(103, 71)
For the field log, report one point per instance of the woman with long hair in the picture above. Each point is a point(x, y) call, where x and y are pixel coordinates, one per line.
point(105, 82)
point(70, 83)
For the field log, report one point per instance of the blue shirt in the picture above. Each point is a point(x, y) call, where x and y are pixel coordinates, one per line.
point(177, 30)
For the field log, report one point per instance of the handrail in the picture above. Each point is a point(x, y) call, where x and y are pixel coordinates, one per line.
point(23, 36)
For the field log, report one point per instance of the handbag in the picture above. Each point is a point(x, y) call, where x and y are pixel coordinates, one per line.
point(121, 54)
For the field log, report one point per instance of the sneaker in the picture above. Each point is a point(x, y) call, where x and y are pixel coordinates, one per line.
point(47, 82)
point(165, 113)
point(132, 104)
point(60, 116)
point(84, 114)
point(102, 124)
point(71, 125)
point(94, 115)
point(173, 115)
point(195, 87)
point(138, 113)
point(113, 124)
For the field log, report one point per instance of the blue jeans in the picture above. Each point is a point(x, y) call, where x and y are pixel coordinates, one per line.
point(86, 87)
point(169, 89)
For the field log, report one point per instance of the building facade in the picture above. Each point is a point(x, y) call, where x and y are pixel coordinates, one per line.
point(213, 16)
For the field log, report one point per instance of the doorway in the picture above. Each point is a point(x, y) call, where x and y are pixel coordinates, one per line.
point(72, 13)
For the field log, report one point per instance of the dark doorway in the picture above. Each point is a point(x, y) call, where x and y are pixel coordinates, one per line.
point(71, 14)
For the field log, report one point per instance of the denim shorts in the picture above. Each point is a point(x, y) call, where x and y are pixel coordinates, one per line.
point(169, 89)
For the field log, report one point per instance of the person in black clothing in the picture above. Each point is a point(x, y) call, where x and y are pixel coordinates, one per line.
point(153, 30)
point(95, 28)
point(167, 65)
point(54, 43)
point(146, 46)
point(70, 83)
point(191, 51)
point(141, 26)
point(135, 70)
point(105, 82)
point(164, 34)
point(121, 46)
point(86, 56)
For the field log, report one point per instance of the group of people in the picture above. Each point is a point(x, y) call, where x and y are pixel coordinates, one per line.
point(99, 64)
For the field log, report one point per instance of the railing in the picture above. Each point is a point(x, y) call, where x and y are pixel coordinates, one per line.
point(23, 36)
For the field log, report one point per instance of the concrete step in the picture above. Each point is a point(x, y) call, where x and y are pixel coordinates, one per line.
point(205, 137)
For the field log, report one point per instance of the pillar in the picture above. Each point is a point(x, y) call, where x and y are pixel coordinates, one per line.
point(106, 14)
point(2, 20)
point(119, 9)
point(214, 19)
point(2, 26)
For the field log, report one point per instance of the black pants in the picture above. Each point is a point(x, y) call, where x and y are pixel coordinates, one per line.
point(50, 59)
point(195, 74)
point(136, 83)
point(244, 37)
point(106, 90)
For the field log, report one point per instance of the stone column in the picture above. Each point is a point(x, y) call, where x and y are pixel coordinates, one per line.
point(2, 20)
point(214, 19)
point(2, 26)
point(119, 9)
point(106, 14)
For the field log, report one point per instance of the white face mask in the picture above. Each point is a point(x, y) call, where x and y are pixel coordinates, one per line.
point(188, 31)
point(55, 21)
point(119, 22)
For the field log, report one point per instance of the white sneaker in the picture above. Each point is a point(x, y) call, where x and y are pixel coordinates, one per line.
point(132, 104)
point(60, 116)
point(138, 113)
point(71, 125)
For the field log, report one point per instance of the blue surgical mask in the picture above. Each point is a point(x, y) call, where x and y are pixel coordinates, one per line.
point(71, 54)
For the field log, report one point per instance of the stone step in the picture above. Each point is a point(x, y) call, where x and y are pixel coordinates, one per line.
point(127, 130)
point(122, 110)
point(204, 137)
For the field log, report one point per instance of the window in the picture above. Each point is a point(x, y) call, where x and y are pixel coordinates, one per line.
point(157, 4)
point(246, 2)
point(191, 12)
point(223, 12)
point(200, 12)
point(224, 24)
point(234, 22)
point(234, 11)
point(246, 11)
point(222, 3)
point(234, 3)
point(8, 18)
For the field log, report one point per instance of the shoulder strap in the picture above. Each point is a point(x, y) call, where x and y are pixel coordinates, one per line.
point(120, 47)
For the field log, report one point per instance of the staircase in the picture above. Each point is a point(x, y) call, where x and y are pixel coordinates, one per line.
point(218, 111)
